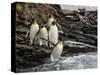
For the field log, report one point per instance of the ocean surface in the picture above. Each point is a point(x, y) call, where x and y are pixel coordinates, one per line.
point(79, 61)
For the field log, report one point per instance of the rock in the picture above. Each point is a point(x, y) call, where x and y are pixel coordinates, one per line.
point(72, 47)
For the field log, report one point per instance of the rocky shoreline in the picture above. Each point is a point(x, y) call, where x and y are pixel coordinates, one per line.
point(78, 36)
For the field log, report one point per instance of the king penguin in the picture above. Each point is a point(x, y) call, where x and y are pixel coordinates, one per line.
point(33, 31)
point(44, 35)
point(53, 34)
point(57, 51)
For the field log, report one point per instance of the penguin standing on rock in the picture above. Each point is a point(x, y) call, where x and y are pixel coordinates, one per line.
point(33, 31)
point(57, 51)
point(43, 34)
point(53, 34)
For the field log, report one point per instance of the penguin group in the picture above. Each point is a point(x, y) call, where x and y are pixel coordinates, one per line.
point(47, 35)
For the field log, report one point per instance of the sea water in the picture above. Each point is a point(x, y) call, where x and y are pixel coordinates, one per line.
point(80, 61)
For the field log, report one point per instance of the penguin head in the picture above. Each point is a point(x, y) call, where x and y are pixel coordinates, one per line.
point(34, 21)
point(41, 26)
point(53, 23)
point(50, 15)
point(45, 25)
point(61, 41)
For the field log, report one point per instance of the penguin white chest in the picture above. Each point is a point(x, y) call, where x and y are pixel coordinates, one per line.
point(44, 35)
point(53, 34)
point(33, 31)
point(56, 53)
